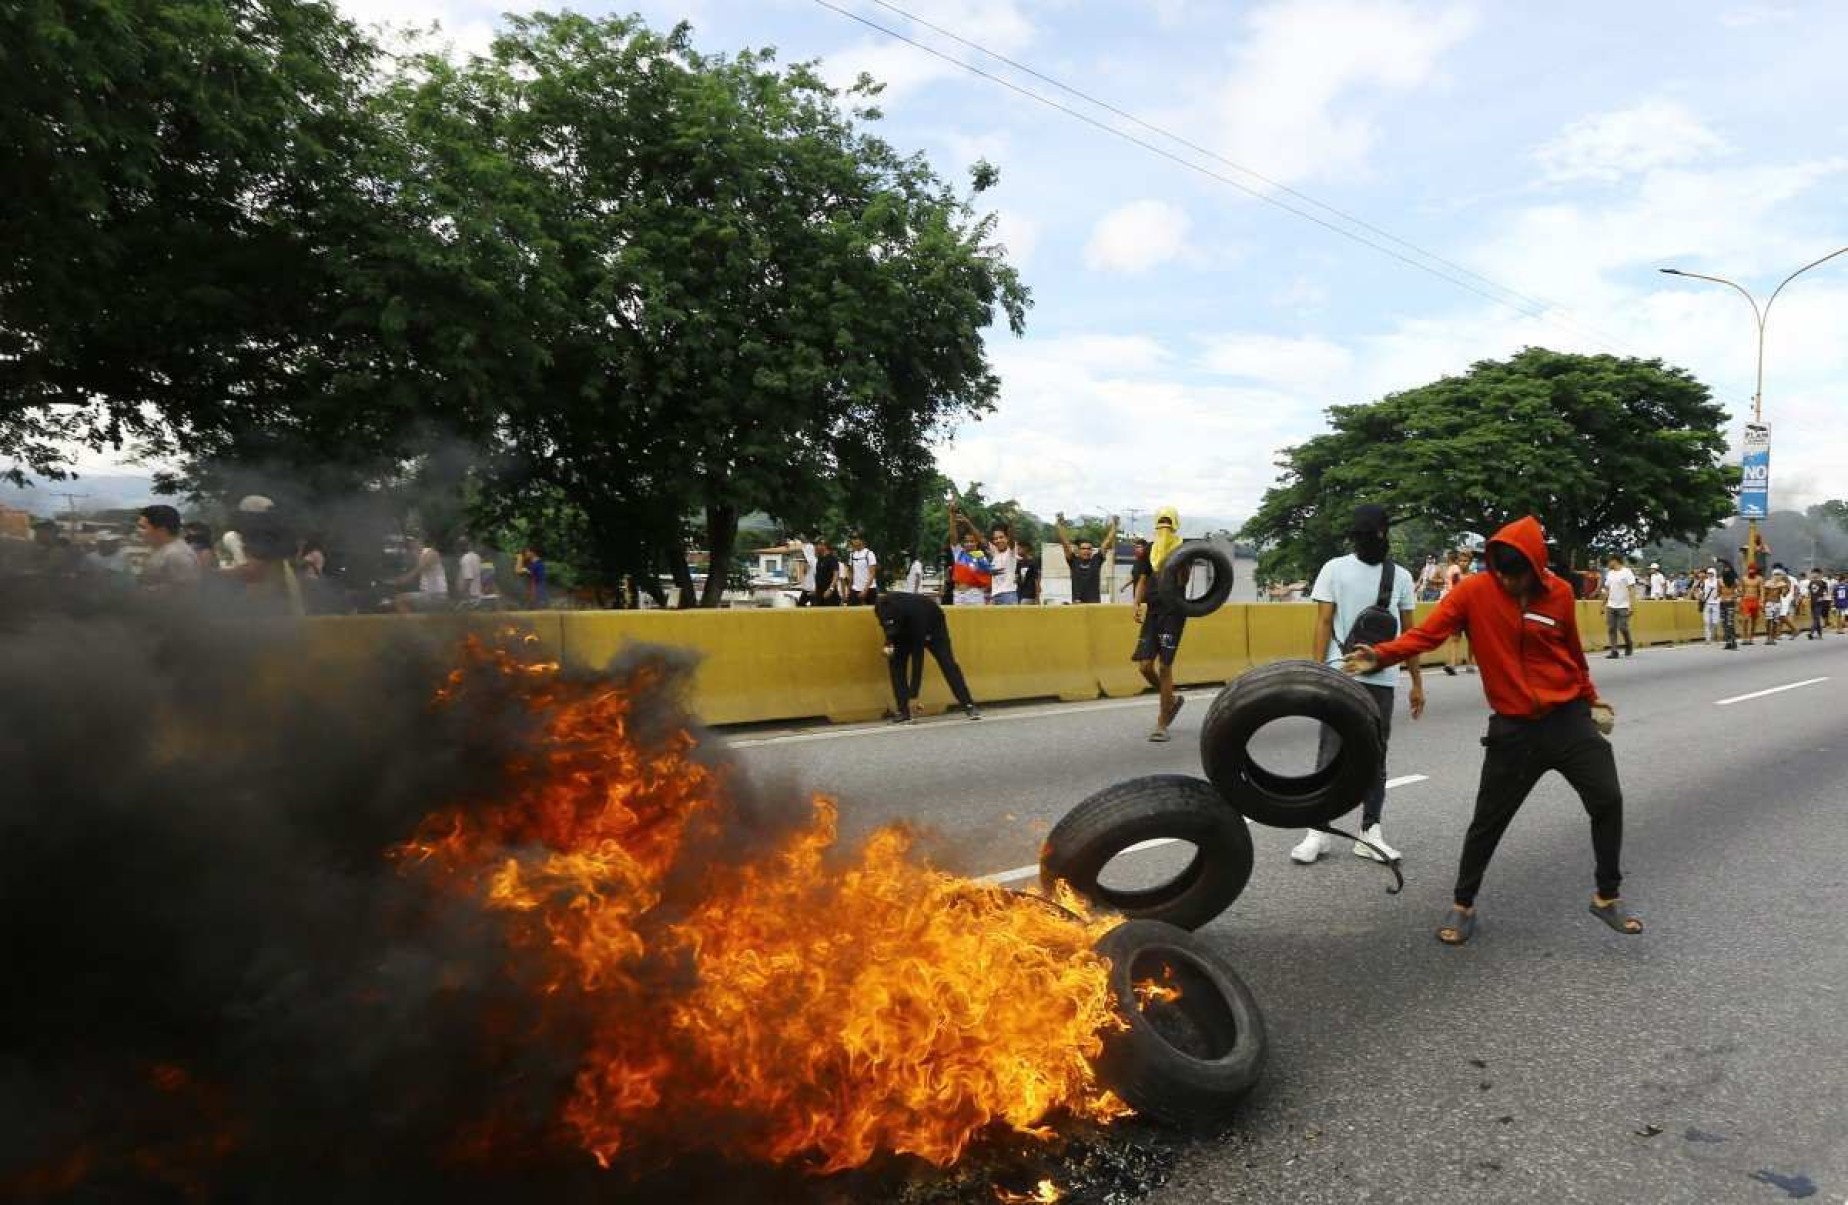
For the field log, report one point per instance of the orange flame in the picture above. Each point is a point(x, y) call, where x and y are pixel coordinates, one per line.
point(1045, 1193)
point(805, 1002)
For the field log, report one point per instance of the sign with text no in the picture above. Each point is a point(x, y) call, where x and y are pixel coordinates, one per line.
point(1755, 473)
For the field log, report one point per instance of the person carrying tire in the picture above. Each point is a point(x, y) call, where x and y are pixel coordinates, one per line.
point(1547, 713)
point(1364, 585)
point(914, 623)
point(1160, 623)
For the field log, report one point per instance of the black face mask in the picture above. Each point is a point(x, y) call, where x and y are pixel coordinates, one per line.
point(1370, 546)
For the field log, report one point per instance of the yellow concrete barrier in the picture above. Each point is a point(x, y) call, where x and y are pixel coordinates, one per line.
point(1280, 631)
point(754, 665)
point(1110, 630)
point(1215, 649)
point(768, 665)
point(1594, 633)
point(1021, 652)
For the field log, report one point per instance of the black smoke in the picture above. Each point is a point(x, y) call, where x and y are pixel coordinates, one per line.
point(219, 986)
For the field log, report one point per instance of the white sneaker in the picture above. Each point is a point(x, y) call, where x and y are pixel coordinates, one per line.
point(1373, 835)
point(1313, 846)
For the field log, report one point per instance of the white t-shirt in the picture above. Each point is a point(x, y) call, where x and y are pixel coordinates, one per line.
point(914, 577)
point(432, 578)
point(468, 569)
point(1619, 585)
point(1658, 585)
point(1353, 586)
point(808, 568)
point(862, 562)
point(1003, 581)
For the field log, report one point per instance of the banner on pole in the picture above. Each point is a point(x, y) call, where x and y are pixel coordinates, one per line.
point(1755, 473)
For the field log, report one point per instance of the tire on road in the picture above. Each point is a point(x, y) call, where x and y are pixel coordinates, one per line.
point(1273, 692)
point(1177, 573)
point(1186, 1061)
point(1174, 806)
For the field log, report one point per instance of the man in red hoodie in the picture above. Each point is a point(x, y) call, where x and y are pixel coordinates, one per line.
point(1523, 627)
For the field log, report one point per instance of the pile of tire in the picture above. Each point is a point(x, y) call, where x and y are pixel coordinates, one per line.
point(1190, 1058)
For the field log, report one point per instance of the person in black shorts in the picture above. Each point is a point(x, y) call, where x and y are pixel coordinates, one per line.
point(1160, 632)
point(914, 623)
point(1085, 560)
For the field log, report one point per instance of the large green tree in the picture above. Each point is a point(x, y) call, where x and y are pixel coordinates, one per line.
point(1608, 452)
point(742, 300)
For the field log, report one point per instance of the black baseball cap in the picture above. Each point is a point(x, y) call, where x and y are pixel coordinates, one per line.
point(1368, 519)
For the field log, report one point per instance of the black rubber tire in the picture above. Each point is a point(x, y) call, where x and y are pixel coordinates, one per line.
point(1143, 1064)
point(1084, 841)
point(1177, 572)
point(1292, 688)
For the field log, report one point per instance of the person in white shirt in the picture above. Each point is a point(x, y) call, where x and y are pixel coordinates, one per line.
point(1344, 588)
point(805, 586)
point(1619, 596)
point(914, 572)
point(862, 575)
point(430, 578)
point(1658, 585)
point(468, 573)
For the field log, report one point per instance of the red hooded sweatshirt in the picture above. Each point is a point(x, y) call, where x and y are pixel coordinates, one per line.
point(1530, 656)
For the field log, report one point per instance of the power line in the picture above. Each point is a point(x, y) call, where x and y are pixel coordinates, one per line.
point(1534, 307)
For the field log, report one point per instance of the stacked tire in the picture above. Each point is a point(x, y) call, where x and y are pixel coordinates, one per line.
point(1201, 1076)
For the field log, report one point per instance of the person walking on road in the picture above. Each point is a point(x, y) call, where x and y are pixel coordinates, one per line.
point(1454, 573)
point(913, 625)
point(1085, 561)
point(1547, 714)
point(1347, 587)
point(1819, 600)
point(1619, 596)
point(1839, 596)
point(1728, 594)
point(1789, 599)
point(1159, 627)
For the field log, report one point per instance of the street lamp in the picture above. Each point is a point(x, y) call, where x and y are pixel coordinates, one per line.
point(1758, 394)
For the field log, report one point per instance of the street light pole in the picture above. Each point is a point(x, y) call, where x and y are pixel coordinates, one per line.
point(1761, 316)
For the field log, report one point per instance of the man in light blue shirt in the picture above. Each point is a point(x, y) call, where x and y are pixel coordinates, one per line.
point(1344, 588)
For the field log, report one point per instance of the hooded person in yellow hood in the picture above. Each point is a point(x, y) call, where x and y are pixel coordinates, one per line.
point(1160, 628)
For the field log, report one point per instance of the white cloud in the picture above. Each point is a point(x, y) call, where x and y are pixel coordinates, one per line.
point(1137, 236)
point(1308, 367)
point(1611, 146)
point(1308, 73)
point(465, 26)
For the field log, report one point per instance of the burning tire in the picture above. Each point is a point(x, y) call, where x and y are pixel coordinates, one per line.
point(1195, 1043)
point(1159, 806)
point(1273, 692)
point(1177, 576)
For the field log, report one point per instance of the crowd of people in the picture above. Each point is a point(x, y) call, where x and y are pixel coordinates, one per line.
point(260, 564)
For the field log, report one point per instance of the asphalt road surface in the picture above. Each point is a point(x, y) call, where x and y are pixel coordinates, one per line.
point(1550, 1059)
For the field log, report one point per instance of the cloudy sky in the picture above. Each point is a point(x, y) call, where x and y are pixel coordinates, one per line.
point(1183, 330)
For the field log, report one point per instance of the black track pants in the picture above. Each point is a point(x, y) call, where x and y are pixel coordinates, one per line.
point(1517, 753)
point(907, 666)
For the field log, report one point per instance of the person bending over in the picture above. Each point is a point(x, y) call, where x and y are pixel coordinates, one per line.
point(914, 624)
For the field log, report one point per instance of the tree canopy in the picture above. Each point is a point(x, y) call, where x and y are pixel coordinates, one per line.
point(1609, 453)
point(656, 289)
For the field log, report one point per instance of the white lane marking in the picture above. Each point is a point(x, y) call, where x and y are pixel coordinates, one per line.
point(1032, 872)
point(951, 718)
point(1759, 694)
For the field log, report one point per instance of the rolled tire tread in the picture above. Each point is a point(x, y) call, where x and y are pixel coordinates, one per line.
point(1277, 691)
point(1152, 1075)
point(1177, 806)
point(1177, 571)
